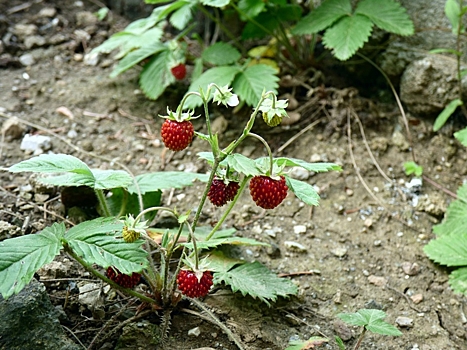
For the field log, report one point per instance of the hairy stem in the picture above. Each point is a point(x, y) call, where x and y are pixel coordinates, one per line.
point(268, 149)
point(102, 202)
point(360, 339)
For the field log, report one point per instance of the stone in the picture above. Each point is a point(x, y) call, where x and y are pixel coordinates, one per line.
point(398, 139)
point(91, 295)
point(403, 321)
point(433, 204)
point(342, 330)
point(339, 251)
point(36, 142)
point(34, 41)
point(295, 246)
point(377, 280)
point(194, 332)
point(27, 59)
point(47, 12)
point(429, 84)
point(91, 59)
point(85, 18)
point(12, 128)
point(410, 269)
point(417, 298)
point(30, 321)
point(299, 229)
point(57, 39)
point(299, 173)
point(24, 30)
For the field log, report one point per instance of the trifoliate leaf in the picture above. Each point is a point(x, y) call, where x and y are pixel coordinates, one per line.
point(461, 136)
point(316, 167)
point(107, 179)
point(458, 280)
point(215, 3)
point(454, 222)
point(388, 15)
point(96, 242)
point(221, 54)
point(250, 8)
point(250, 83)
point(137, 41)
point(156, 75)
point(362, 317)
point(21, 257)
point(182, 16)
point(115, 41)
point(137, 56)
point(443, 117)
point(449, 250)
point(53, 163)
point(216, 242)
point(219, 262)
point(151, 182)
point(221, 76)
point(242, 164)
point(257, 281)
point(413, 168)
point(324, 16)
point(304, 191)
point(383, 328)
point(69, 180)
point(347, 35)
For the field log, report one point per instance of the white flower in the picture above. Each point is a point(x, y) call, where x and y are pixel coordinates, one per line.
point(223, 95)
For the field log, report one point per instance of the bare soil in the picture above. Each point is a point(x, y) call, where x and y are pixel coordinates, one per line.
point(363, 246)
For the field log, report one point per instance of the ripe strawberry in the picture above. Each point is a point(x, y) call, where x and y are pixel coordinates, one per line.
point(177, 135)
point(194, 285)
point(267, 192)
point(220, 193)
point(179, 71)
point(123, 280)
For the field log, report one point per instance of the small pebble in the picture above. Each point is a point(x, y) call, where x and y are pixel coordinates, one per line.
point(194, 332)
point(299, 229)
point(403, 321)
point(417, 298)
point(339, 252)
point(410, 269)
point(290, 245)
point(377, 280)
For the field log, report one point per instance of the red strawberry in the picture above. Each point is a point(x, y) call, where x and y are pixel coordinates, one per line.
point(220, 193)
point(177, 135)
point(123, 280)
point(194, 285)
point(179, 71)
point(267, 192)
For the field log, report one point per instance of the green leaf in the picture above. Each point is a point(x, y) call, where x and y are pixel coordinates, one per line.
point(96, 242)
point(107, 179)
point(250, 84)
point(413, 168)
point(151, 182)
point(137, 56)
point(181, 17)
point(461, 136)
point(221, 54)
point(452, 10)
point(119, 195)
point(257, 281)
point(215, 3)
point(221, 76)
point(140, 40)
point(383, 328)
point(458, 280)
point(69, 180)
point(340, 343)
point(323, 17)
point(307, 344)
point(347, 35)
point(454, 222)
point(388, 15)
point(115, 41)
point(362, 317)
point(53, 163)
point(242, 164)
point(219, 262)
point(156, 75)
point(140, 26)
point(102, 13)
point(250, 8)
point(21, 257)
point(216, 242)
point(442, 118)
point(304, 191)
point(449, 250)
point(316, 167)
point(451, 51)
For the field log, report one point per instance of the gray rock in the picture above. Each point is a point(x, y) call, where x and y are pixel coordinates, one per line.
point(47, 12)
point(24, 30)
point(27, 59)
point(35, 142)
point(403, 321)
point(34, 41)
point(141, 335)
point(429, 84)
point(85, 18)
point(29, 321)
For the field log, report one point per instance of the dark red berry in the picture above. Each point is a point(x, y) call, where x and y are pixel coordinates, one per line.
point(191, 286)
point(231, 190)
point(177, 135)
point(179, 71)
point(123, 280)
point(267, 192)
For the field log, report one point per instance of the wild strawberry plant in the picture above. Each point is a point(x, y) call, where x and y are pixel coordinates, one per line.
point(119, 242)
point(292, 30)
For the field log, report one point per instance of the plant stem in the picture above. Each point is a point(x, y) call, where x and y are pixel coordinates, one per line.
point(458, 58)
point(360, 339)
point(268, 149)
point(102, 202)
point(148, 210)
point(107, 280)
point(195, 248)
point(229, 209)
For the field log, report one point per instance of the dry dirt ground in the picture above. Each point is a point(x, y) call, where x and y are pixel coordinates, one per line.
point(362, 247)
